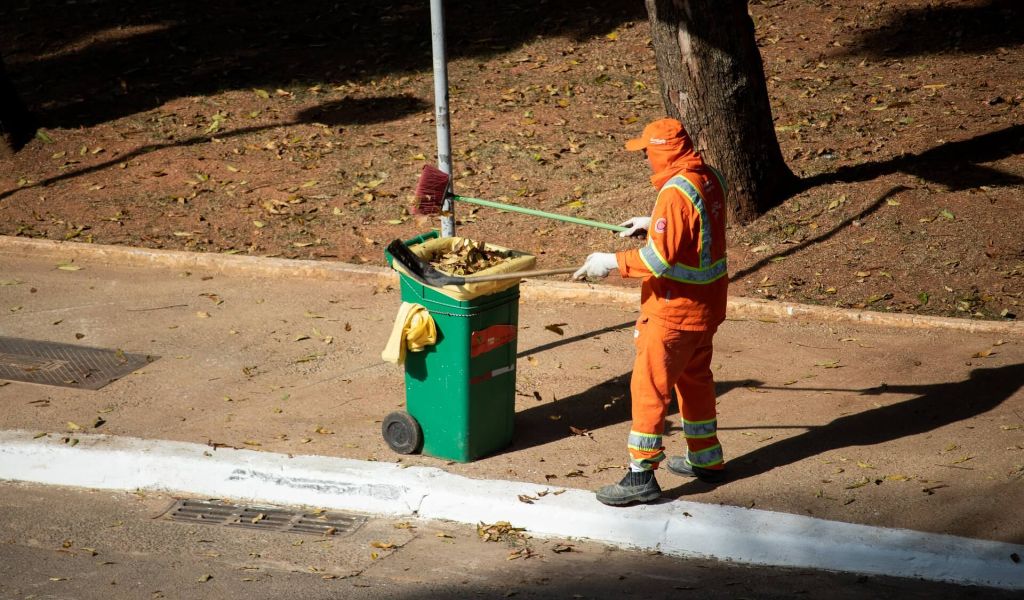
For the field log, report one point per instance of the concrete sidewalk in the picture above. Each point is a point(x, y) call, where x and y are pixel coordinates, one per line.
point(917, 428)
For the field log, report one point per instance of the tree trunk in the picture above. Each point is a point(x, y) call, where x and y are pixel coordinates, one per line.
point(16, 125)
point(713, 81)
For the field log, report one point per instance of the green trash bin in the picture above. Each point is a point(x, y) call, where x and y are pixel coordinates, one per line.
point(460, 392)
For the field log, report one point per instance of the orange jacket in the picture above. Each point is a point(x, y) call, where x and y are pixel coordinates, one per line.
point(683, 265)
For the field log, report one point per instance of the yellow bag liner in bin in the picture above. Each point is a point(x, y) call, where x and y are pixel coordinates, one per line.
point(518, 261)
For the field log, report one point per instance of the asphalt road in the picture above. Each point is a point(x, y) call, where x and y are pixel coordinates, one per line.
point(62, 543)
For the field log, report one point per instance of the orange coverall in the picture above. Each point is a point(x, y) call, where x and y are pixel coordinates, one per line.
point(683, 300)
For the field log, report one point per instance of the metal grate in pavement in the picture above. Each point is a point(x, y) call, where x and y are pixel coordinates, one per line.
point(65, 365)
point(267, 518)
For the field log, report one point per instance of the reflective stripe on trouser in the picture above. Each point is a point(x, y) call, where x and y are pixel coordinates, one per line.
point(667, 359)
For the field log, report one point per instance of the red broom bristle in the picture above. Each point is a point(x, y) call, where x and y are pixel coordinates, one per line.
point(430, 191)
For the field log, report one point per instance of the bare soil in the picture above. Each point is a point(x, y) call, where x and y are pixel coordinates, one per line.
point(298, 130)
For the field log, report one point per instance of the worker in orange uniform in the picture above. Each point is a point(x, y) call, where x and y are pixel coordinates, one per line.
point(682, 302)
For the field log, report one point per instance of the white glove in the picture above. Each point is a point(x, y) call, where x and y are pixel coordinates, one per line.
point(597, 265)
point(637, 226)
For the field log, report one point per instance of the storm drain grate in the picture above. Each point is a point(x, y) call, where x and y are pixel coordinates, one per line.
point(65, 365)
point(266, 518)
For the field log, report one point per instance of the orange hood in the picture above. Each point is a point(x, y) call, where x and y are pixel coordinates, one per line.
point(668, 160)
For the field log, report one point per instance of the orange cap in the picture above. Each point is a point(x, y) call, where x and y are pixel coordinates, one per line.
point(659, 133)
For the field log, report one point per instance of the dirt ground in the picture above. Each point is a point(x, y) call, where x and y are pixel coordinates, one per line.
point(289, 130)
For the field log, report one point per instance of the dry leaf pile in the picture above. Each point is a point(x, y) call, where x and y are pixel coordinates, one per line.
point(468, 257)
point(502, 531)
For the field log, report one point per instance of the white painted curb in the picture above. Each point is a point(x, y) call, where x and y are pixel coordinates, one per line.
point(679, 528)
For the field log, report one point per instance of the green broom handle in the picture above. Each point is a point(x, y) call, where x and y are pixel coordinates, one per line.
point(539, 213)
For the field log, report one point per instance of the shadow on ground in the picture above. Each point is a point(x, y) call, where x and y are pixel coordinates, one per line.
point(81, 63)
point(969, 28)
point(935, 406)
point(343, 112)
point(955, 165)
point(603, 405)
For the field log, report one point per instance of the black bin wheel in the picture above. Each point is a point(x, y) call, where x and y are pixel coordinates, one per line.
point(402, 432)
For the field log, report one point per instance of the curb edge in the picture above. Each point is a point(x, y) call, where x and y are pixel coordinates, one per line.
point(679, 527)
point(740, 308)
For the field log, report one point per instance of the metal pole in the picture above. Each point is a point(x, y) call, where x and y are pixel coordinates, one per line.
point(444, 142)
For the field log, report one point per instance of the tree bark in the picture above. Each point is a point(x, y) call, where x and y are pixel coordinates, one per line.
point(712, 80)
point(16, 124)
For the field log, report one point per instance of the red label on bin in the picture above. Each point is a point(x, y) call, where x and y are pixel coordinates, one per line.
point(493, 337)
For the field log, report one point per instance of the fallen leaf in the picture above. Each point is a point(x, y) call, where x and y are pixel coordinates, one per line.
point(526, 499)
point(203, 314)
point(73, 426)
point(556, 327)
point(383, 545)
point(68, 267)
point(859, 483)
point(581, 432)
point(983, 354)
point(836, 203)
point(204, 578)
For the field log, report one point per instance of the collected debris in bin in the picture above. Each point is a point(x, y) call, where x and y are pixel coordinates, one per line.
point(467, 257)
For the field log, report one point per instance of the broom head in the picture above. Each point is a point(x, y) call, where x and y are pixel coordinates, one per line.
point(431, 190)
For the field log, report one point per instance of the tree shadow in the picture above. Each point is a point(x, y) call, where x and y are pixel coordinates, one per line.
point(351, 111)
point(82, 63)
point(342, 112)
point(605, 404)
point(936, 405)
point(944, 29)
point(754, 268)
point(955, 165)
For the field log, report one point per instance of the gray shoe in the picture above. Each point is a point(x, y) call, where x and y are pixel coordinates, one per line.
point(634, 487)
point(680, 466)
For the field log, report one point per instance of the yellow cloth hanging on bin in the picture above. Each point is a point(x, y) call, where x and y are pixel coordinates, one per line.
point(414, 329)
